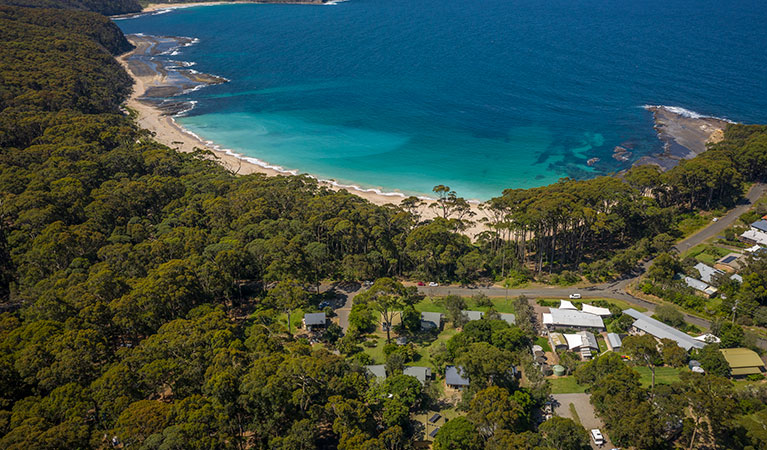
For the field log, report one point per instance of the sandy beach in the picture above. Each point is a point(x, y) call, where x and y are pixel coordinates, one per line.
point(169, 133)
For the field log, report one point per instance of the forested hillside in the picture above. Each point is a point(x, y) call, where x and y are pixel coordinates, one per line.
point(146, 291)
point(106, 7)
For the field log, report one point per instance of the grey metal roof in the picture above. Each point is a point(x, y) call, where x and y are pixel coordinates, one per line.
point(575, 318)
point(473, 315)
point(511, 319)
point(454, 376)
point(315, 318)
point(760, 225)
point(662, 331)
point(614, 340)
point(699, 285)
point(422, 373)
point(588, 340)
point(434, 318)
point(377, 370)
point(706, 272)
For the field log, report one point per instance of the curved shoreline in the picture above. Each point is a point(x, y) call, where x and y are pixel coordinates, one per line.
point(168, 132)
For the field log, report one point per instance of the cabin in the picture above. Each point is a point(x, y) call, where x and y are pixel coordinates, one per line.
point(565, 318)
point(614, 341)
point(511, 319)
point(700, 286)
point(455, 378)
point(431, 321)
point(313, 321)
point(423, 374)
point(472, 315)
point(378, 371)
point(647, 325)
point(743, 362)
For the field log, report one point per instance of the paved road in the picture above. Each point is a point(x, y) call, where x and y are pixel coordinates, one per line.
point(718, 227)
point(617, 289)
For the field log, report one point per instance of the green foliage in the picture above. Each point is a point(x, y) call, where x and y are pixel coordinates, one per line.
point(564, 434)
point(712, 360)
point(458, 434)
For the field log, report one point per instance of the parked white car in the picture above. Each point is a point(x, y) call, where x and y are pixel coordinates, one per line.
point(575, 296)
point(597, 437)
point(433, 284)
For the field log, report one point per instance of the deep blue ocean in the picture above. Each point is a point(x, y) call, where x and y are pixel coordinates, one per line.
point(481, 96)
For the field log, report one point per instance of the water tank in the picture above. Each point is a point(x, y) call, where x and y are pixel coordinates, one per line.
point(559, 370)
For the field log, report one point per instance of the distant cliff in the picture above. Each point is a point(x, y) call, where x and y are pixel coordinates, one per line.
point(106, 7)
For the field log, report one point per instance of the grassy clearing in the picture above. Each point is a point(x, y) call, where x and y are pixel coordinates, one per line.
point(663, 375)
point(692, 223)
point(574, 413)
point(566, 385)
point(707, 254)
point(602, 344)
point(543, 342)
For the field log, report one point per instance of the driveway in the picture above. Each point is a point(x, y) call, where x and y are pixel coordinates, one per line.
point(586, 414)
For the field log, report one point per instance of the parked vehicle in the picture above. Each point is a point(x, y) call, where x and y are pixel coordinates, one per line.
point(433, 284)
point(597, 437)
point(421, 283)
point(575, 296)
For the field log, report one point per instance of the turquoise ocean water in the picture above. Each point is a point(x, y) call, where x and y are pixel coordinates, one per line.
point(402, 95)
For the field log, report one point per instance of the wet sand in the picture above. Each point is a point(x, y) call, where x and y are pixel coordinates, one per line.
point(155, 113)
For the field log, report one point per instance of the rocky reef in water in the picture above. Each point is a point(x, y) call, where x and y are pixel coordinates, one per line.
point(684, 134)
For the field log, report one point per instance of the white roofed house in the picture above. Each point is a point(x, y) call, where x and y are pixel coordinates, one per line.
point(566, 318)
point(754, 237)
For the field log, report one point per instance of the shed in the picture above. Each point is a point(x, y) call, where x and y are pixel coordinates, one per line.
point(377, 370)
point(431, 321)
point(435, 418)
point(511, 319)
point(614, 341)
point(433, 433)
point(315, 320)
point(472, 315)
point(454, 377)
point(421, 373)
point(558, 341)
point(743, 361)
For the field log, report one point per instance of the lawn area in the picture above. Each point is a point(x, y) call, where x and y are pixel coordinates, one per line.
point(435, 304)
point(543, 342)
point(566, 385)
point(707, 254)
point(424, 343)
point(602, 344)
point(663, 375)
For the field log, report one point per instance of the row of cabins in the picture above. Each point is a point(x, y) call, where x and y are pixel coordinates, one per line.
point(433, 320)
point(455, 377)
